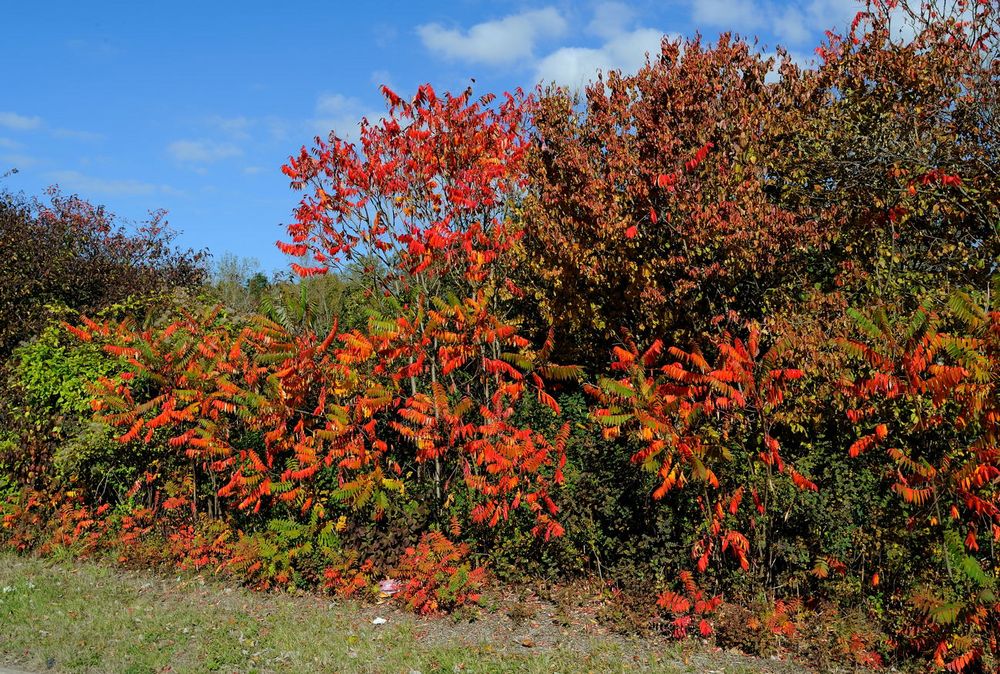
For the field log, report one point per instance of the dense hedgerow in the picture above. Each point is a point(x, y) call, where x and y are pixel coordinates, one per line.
point(721, 334)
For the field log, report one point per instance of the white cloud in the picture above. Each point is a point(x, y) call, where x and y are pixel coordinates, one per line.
point(575, 66)
point(622, 46)
point(827, 14)
point(610, 19)
point(498, 42)
point(8, 144)
point(804, 27)
point(791, 26)
point(202, 151)
point(340, 114)
point(12, 120)
point(799, 24)
point(85, 184)
point(741, 15)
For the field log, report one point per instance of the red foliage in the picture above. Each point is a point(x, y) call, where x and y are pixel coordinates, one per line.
point(436, 575)
point(929, 404)
point(689, 605)
point(687, 412)
point(424, 190)
point(434, 381)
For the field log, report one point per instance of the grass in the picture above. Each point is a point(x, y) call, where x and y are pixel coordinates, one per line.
point(84, 617)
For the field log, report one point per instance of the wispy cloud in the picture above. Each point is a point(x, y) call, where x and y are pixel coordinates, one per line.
point(8, 144)
point(18, 122)
point(240, 130)
point(237, 128)
point(100, 48)
point(503, 41)
point(380, 77)
point(202, 151)
point(385, 34)
point(12, 120)
point(18, 161)
point(75, 134)
point(86, 184)
point(340, 114)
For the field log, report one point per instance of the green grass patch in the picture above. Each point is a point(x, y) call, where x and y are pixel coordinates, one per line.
point(85, 617)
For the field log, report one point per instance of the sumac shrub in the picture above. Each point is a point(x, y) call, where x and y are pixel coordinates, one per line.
point(437, 576)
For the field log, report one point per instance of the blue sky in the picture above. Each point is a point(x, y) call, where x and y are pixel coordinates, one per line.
point(194, 106)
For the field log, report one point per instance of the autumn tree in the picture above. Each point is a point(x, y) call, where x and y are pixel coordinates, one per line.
point(891, 147)
point(649, 207)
